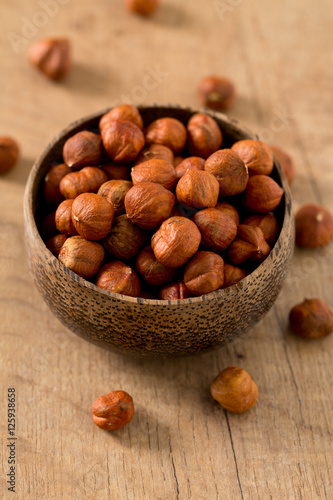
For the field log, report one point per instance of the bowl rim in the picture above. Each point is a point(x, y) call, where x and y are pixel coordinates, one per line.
point(30, 219)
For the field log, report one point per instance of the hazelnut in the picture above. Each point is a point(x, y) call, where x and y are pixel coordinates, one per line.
point(234, 389)
point(158, 171)
point(115, 191)
point(55, 243)
point(267, 223)
point(312, 319)
point(92, 216)
point(228, 209)
point(233, 274)
point(250, 244)
point(152, 271)
point(190, 162)
point(87, 180)
point(217, 93)
point(122, 141)
point(174, 291)
point(9, 153)
point(113, 411)
point(48, 226)
point(52, 193)
point(82, 149)
point(142, 7)
point(63, 218)
point(116, 172)
point(167, 131)
point(204, 135)
point(198, 189)
point(176, 241)
point(262, 194)
point(148, 204)
point(125, 239)
point(230, 171)
point(124, 113)
point(285, 161)
point(204, 273)
point(118, 277)
point(217, 229)
point(155, 152)
point(82, 256)
point(177, 159)
point(52, 57)
point(314, 226)
point(256, 155)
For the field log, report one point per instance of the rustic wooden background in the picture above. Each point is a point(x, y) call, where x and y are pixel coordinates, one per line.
point(181, 444)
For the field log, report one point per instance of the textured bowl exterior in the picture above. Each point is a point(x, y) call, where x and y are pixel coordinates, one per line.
point(145, 327)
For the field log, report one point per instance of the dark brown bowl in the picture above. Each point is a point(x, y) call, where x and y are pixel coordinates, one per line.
point(153, 327)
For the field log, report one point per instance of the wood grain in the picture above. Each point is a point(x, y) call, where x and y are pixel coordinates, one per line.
point(180, 444)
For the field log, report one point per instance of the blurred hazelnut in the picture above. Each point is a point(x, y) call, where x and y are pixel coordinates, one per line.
point(52, 57)
point(116, 172)
point(217, 93)
point(125, 113)
point(155, 152)
point(176, 241)
point(55, 243)
point(63, 218)
point(122, 141)
point(158, 171)
point(235, 390)
point(262, 194)
point(204, 273)
point(125, 239)
point(249, 245)
point(312, 319)
point(233, 274)
point(152, 271)
point(52, 193)
point(148, 204)
point(9, 153)
point(167, 131)
point(187, 163)
point(142, 7)
point(118, 277)
point(228, 209)
point(81, 256)
point(204, 135)
point(314, 226)
point(285, 161)
point(177, 159)
point(87, 180)
point(197, 189)
point(174, 291)
point(267, 223)
point(82, 149)
point(256, 155)
point(115, 191)
point(217, 229)
point(230, 171)
point(92, 216)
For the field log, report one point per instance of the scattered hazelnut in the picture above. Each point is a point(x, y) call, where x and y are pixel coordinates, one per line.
point(217, 229)
point(228, 209)
point(118, 277)
point(142, 7)
point(152, 271)
point(312, 319)
point(230, 171)
point(285, 161)
point(155, 152)
point(167, 131)
point(267, 223)
point(148, 204)
point(235, 390)
point(124, 112)
point(55, 243)
point(115, 191)
point(9, 153)
point(52, 57)
point(176, 241)
point(256, 155)
point(158, 171)
point(116, 172)
point(82, 256)
point(204, 135)
point(190, 162)
point(63, 218)
point(52, 193)
point(174, 291)
point(262, 194)
point(217, 93)
point(204, 273)
point(198, 189)
point(250, 244)
point(82, 149)
point(87, 180)
point(233, 274)
point(122, 141)
point(92, 216)
point(314, 226)
point(125, 239)
point(113, 411)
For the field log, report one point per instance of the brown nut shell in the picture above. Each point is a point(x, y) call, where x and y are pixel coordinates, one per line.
point(51, 192)
point(314, 226)
point(81, 256)
point(235, 390)
point(250, 245)
point(158, 171)
point(312, 319)
point(267, 223)
point(92, 216)
point(262, 194)
point(123, 112)
point(256, 155)
point(55, 243)
point(167, 131)
point(204, 135)
point(174, 291)
point(228, 209)
point(125, 239)
point(204, 273)
point(152, 271)
point(230, 171)
point(87, 180)
point(63, 218)
point(82, 149)
point(113, 411)
point(52, 57)
point(9, 154)
point(233, 274)
point(115, 191)
point(197, 189)
point(176, 241)
point(155, 152)
point(217, 229)
point(285, 161)
point(190, 162)
point(142, 7)
point(118, 277)
point(122, 141)
point(217, 93)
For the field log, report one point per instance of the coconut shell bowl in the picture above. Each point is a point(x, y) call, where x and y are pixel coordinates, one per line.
point(147, 327)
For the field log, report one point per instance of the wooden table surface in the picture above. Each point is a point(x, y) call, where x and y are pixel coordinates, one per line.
point(181, 444)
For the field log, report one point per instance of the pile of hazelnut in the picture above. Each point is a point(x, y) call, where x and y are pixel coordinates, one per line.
point(156, 212)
